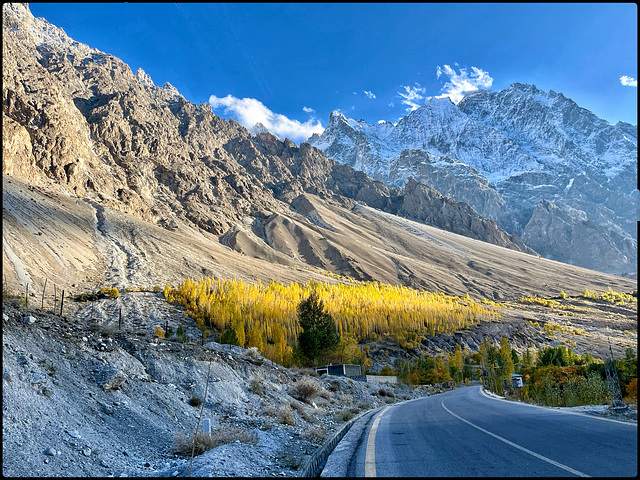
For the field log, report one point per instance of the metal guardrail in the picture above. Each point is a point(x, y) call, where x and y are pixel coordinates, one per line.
point(319, 458)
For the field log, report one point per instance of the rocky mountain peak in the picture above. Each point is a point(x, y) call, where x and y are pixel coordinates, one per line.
point(144, 78)
point(259, 128)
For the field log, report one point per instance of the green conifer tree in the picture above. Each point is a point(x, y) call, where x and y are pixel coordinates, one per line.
point(319, 329)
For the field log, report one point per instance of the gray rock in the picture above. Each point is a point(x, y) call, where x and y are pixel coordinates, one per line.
point(110, 378)
point(47, 392)
point(50, 451)
point(29, 319)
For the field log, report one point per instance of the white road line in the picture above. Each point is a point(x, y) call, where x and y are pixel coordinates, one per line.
point(553, 409)
point(526, 450)
point(370, 455)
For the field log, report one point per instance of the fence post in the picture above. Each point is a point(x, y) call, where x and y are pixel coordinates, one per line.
point(120, 318)
point(61, 302)
point(26, 296)
point(43, 289)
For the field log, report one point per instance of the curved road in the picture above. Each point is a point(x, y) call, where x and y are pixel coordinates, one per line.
point(465, 432)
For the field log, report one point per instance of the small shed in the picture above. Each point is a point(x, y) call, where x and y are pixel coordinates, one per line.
point(343, 369)
point(516, 381)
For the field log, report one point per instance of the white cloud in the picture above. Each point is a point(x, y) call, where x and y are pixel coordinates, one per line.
point(370, 95)
point(412, 96)
point(628, 81)
point(249, 111)
point(308, 110)
point(462, 83)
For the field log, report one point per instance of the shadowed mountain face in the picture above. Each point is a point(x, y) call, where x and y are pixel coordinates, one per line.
point(504, 153)
point(110, 179)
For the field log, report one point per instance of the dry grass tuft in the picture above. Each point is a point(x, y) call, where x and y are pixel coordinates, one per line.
point(305, 389)
point(220, 436)
point(314, 435)
point(285, 415)
point(255, 386)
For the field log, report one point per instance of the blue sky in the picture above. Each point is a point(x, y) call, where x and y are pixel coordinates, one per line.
point(290, 65)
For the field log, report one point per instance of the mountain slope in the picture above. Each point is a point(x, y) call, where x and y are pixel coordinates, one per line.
point(78, 121)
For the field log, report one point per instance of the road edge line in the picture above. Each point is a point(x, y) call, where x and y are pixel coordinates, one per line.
point(370, 455)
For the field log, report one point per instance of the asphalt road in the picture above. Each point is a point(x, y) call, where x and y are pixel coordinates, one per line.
point(464, 433)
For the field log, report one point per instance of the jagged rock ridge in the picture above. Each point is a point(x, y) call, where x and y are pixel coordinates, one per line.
point(80, 120)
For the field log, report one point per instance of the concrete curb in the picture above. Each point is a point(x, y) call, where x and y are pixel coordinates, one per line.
point(318, 460)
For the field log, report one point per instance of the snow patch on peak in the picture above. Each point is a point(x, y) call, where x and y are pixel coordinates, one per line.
point(144, 78)
point(260, 128)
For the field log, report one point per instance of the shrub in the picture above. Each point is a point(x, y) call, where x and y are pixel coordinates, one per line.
point(271, 411)
point(285, 415)
point(180, 334)
point(534, 299)
point(315, 435)
point(334, 386)
point(229, 434)
point(255, 386)
point(325, 394)
point(195, 401)
point(566, 387)
point(198, 443)
point(158, 332)
point(291, 461)
point(89, 297)
point(253, 355)
point(305, 389)
point(345, 415)
point(632, 390)
point(204, 442)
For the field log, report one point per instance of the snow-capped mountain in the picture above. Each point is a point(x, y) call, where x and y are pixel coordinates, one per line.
point(503, 153)
point(563, 136)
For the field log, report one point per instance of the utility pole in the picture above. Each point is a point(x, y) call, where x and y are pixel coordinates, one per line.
point(612, 380)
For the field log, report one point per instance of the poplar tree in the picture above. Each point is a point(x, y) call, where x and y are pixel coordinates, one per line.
point(506, 359)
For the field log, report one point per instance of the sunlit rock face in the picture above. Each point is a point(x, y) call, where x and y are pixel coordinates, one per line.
point(79, 120)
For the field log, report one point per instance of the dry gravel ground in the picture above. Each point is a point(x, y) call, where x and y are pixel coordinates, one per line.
point(81, 398)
